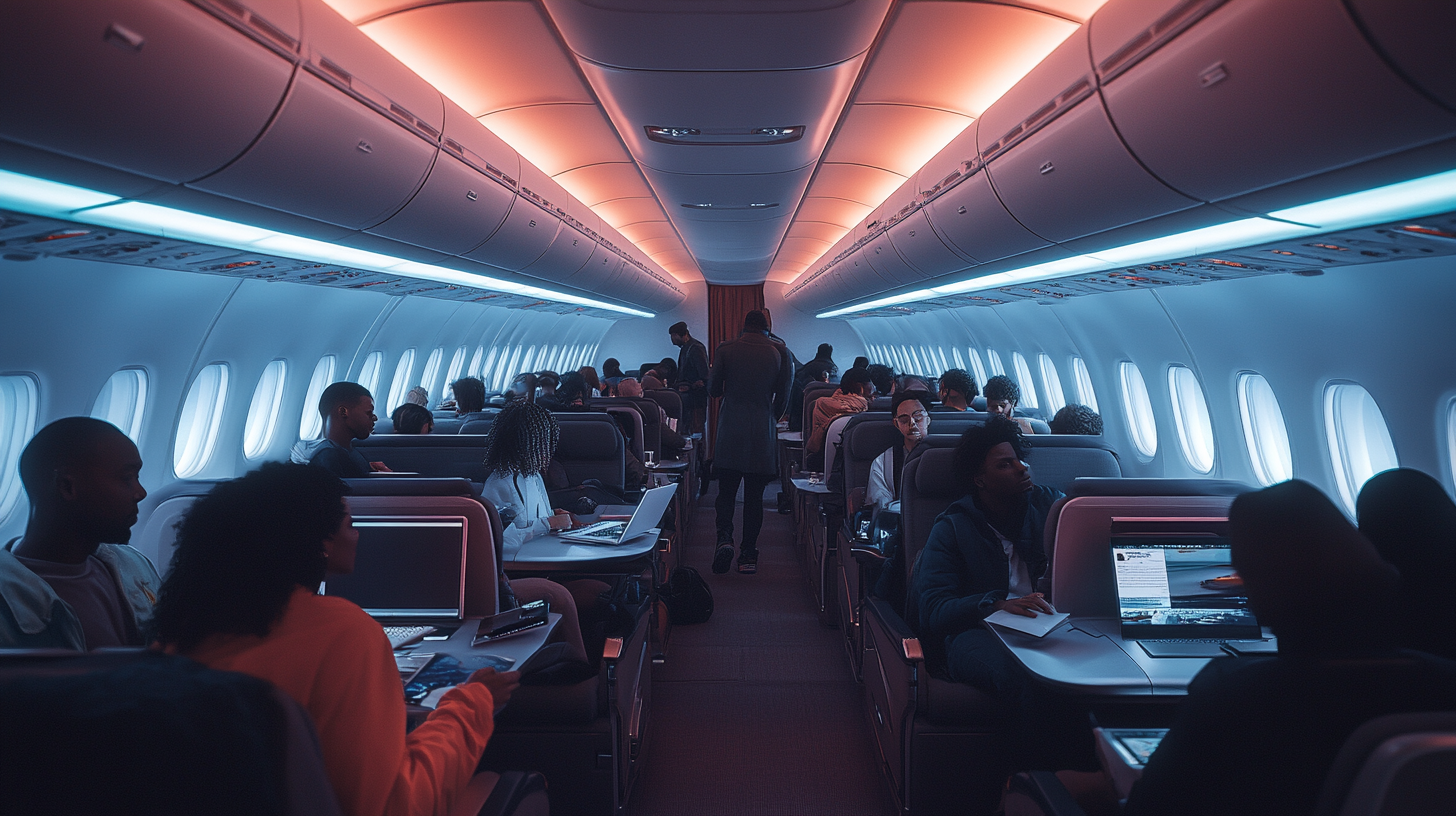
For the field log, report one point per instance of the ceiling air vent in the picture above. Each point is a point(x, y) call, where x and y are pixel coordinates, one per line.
point(753, 206)
point(724, 136)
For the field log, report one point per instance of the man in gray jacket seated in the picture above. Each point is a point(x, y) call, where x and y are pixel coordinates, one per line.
point(71, 581)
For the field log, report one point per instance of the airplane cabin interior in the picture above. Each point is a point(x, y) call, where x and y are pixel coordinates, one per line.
point(727, 406)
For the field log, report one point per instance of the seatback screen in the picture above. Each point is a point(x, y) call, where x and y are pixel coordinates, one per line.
point(406, 567)
point(1179, 587)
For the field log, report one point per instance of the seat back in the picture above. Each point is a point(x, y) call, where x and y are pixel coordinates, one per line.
point(671, 402)
point(927, 487)
point(459, 455)
point(481, 566)
point(1056, 461)
point(813, 391)
point(873, 432)
point(592, 447)
point(648, 417)
point(1399, 763)
point(479, 426)
point(155, 536)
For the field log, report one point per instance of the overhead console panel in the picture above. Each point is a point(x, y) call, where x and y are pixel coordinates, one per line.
point(1156, 118)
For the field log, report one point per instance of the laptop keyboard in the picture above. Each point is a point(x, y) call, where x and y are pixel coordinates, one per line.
point(405, 635)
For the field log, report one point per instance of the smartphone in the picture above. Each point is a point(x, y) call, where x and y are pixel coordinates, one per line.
point(511, 622)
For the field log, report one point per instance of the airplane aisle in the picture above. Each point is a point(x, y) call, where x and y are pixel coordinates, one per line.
point(755, 711)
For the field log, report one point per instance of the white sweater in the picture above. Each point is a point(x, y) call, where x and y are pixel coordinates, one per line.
point(527, 496)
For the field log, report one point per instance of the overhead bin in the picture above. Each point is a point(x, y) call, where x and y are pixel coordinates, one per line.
point(160, 88)
point(467, 195)
point(918, 244)
point(1055, 160)
point(566, 256)
point(882, 256)
point(526, 234)
point(354, 140)
point(1253, 93)
point(1414, 36)
point(973, 220)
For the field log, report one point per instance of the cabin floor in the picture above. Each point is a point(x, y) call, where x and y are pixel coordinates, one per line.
point(756, 711)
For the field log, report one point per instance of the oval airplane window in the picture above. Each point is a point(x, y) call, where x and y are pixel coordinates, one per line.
point(432, 369)
point(123, 400)
point(369, 373)
point(997, 370)
point(510, 369)
point(1264, 431)
point(400, 385)
point(978, 369)
point(475, 361)
point(201, 417)
point(1053, 382)
point(488, 366)
point(1023, 379)
point(1083, 378)
point(940, 355)
point(1142, 426)
point(263, 410)
point(311, 422)
point(452, 372)
point(960, 362)
point(1190, 416)
point(19, 399)
point(1358, 438)
point(1450, 440)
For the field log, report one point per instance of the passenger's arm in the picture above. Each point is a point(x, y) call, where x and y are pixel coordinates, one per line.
point(442, 753)
point(879, 492)
point(946, 603)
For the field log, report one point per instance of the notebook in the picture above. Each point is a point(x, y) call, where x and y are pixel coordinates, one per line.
point(648, 513)
point(1178, 596)
point(407, 567)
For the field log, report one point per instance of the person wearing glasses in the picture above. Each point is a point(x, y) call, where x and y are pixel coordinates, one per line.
point(911, 413)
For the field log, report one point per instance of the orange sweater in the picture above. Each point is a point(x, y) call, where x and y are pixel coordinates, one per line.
point(335, 661)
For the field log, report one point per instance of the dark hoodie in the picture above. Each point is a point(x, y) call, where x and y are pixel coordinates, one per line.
point(963, 570)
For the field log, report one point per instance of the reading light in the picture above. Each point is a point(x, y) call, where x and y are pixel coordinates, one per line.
point(48, 198)
point(676, 133)
point(777, 131)
point(1407, 199)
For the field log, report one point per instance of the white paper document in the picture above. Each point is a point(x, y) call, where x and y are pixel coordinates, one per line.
point(1037, 626)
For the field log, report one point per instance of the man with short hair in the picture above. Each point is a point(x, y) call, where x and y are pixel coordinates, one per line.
point(692, 375)
point(883, 377)
point(957, 389)
point(1077, 419)
point(348, 412)
point(861, 362)
point(71, 582)
point(909, 382)
point(752, 374)
point(910, 412)
point(415, 420)
point(1002, 397)
point(469, 397)
point(853, 397)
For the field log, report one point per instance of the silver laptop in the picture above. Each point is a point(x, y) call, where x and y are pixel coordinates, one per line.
point(1178, 596)
point(648, 513)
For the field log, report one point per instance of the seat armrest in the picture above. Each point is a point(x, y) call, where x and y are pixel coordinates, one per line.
point(612, 650)
point(898, 630)
point(1040, 793)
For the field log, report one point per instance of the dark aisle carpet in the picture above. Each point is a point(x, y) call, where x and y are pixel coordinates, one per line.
point(755, 711)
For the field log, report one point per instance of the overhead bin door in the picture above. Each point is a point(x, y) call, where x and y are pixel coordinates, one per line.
point(1415, 37)
point(1071, 176)
point(354, 140)
point(564, 257)
point(160, 88)
point(972, 219)
point(527, 232)
point(1256, 93)
point(882, 256)
point(918, 244)
point(466, 196)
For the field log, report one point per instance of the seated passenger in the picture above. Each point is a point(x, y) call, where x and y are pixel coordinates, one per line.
point(1412, 522)
point(419, 396)
point(666, 370)
point(957, 389)
point(469, 399)
point(650, 382)
point(523, 388)
point(1002, 397)
point(629, 387)
point(909, 382)
point(985, 554)
point(812, 371)
point(71, 582)
point(1077, 419)
point(348, 412)
point(861, 362)
point(883, 377)
point(911, 414)
point(242, 596)
point(546, 382)
point(853, 397)
point(593, 382)
point(611, 375)
point(409, 418)
point(1258, 735)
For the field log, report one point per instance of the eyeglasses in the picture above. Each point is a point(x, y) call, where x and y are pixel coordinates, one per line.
point(905, 419)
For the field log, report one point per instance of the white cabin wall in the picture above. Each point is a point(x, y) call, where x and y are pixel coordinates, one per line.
point(639, 340)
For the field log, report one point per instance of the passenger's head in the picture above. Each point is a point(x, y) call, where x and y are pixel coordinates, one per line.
point(857, 381)
point(469, 395)
point(244, 547)
point(816, 371)
point(547, 382)
point(348, 406)
point(755, 321)
point(861, 362)
point(1411, 521)
point(910, 412)
point(909, 382)
point(767, 318)
point(652, 383)
point(83, 474)
point(409, 418)
point(957, 389)
point(523, 387)
point(522, 440)
point(678, 333)
point(611, 368)
point(991, 460)
point(666, 369)
point(1002, 395)
point(418, 395)
point(1309, 574)
point(1077, 419)
point(824, 352)
point(629, 387)
point(573, 389)
point(589, 374)
point(883, 377)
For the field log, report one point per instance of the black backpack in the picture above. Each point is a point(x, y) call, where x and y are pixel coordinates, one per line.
point(686, 596)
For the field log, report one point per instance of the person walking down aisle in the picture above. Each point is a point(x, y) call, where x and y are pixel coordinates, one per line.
point(752, 374)
point(691, 376)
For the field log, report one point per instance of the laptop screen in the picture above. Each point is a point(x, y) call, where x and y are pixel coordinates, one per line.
point(1179, 587)
point(406, 567)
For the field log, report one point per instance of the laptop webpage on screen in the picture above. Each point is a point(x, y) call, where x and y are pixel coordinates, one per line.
point(406, 567)
point(1179, 587)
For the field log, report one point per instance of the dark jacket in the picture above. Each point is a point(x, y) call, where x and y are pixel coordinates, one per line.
point(962, 571)
point(692, 363)
point(752, 375)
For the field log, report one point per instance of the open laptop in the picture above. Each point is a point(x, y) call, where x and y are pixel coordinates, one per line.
point(648, 513)
point(409, 574)
point(1178, 596)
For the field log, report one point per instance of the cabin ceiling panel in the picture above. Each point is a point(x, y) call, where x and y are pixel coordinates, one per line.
point(855, 182)
point(896, 138)
point(647, 230)
point(839, 211)
point(818, 230)
point(558, 138)
point(624, 212)
point(596, 183)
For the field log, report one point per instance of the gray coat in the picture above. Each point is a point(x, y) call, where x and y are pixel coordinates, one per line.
point(753, 375)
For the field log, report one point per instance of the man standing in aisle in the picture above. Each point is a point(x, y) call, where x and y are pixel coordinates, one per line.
point(752, 374)
point(692, 375)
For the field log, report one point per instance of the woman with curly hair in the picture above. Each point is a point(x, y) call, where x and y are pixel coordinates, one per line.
point(242, 595)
